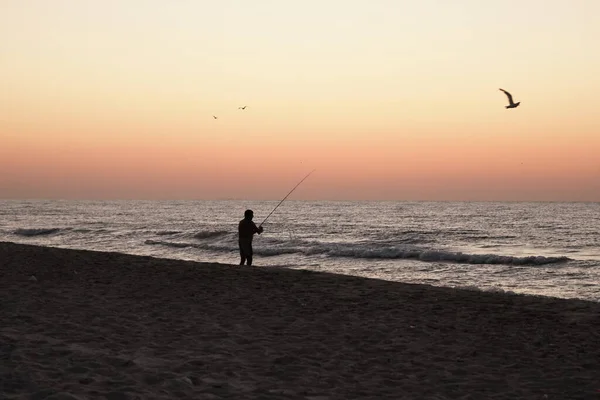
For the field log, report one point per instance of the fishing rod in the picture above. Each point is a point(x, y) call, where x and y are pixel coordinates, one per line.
point(286, 196)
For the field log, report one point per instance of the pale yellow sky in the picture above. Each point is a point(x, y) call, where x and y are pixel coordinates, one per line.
point(387, 99)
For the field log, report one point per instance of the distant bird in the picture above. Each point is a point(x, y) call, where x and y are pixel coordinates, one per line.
point(242, 108)
point(511, 104)
point(214, 117)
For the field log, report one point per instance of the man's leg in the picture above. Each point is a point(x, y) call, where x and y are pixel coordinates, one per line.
point(242, 256)
point(249, 254)
point(246, 252)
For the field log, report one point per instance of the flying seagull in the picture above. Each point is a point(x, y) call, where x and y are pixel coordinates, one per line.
point(511, 104)
point(214, 117)
point(242, 108)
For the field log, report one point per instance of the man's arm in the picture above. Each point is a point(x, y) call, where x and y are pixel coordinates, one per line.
point(258, 229)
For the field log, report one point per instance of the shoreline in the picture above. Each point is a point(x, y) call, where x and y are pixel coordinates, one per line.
point(348, 266)
point(103, 324)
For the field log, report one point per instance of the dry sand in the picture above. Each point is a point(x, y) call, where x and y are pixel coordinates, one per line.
point(106, 325)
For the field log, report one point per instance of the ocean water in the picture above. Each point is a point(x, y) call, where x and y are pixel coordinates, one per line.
point(550, 249)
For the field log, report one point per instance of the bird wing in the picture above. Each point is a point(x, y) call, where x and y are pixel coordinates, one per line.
point(510, 99)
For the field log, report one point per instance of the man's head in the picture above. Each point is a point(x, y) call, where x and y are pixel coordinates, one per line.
point(249, 214)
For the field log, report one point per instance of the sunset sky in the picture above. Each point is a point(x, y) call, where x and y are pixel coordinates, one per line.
point(386, 99)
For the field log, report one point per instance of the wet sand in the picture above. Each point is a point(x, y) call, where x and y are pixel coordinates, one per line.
point(95, 325)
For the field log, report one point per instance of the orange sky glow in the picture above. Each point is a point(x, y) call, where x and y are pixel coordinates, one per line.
point(387, 100)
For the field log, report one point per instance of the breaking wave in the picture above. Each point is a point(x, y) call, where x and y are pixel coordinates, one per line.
point(437, 255)
point(209, 234)
point(270, 249)
point(35, 231)
point(169, 244)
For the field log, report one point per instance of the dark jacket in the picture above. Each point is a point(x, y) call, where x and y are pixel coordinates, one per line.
point(247, 228)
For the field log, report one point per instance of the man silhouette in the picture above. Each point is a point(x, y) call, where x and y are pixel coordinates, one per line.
point(246, 229)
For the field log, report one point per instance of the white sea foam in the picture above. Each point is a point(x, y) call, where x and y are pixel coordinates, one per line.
point(365, 252)
point(209, 234)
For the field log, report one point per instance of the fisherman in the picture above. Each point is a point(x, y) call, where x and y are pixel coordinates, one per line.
point(247, 228)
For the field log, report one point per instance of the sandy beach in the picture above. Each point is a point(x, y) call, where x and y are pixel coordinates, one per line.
point(94, 325)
